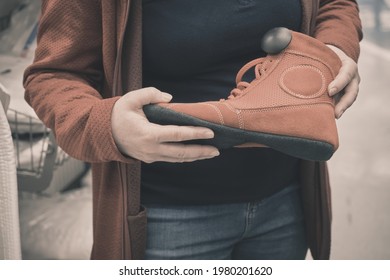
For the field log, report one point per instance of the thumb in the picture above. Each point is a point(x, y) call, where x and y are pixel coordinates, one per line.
point(139, 98)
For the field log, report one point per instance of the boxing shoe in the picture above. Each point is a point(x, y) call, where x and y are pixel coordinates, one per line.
point(286, 107)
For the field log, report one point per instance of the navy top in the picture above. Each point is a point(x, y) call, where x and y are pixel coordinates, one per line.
point(193, 50)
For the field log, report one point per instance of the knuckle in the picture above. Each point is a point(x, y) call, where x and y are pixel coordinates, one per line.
point(355, 97)
point(148, 134)
point(148, 160)
point(349, 103)
point(154, 137)
point(150, 89)
point(354, 66)
point(349, 76)
point(154, 91)
point(181, 155)
point(148, 151)
point(147, 139)
point(177, 135)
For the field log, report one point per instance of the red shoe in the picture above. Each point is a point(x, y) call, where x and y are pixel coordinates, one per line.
point(286, 107)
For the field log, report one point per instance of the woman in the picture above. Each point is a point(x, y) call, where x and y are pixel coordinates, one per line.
point(89, 55)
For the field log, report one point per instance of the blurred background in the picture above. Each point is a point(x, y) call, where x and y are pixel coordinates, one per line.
point(360, 169)
point(54, 191)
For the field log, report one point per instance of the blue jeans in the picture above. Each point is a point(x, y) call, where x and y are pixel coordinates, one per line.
point(269, 229)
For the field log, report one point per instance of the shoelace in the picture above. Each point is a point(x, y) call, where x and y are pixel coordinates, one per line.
point(260, 65)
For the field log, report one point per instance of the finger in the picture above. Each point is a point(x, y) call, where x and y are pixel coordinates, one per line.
point(349, 97)
point(186, 152)
point(174, 133)
point(139, 98)
point(347, 72)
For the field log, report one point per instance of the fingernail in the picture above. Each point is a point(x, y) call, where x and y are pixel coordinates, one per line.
point(340, 114)
point(215, 153)
point(166, 96)
point(332, 91)
point(209, 134)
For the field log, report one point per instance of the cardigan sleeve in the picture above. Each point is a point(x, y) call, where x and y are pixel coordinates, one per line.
point(62, 85)
point(338, 24)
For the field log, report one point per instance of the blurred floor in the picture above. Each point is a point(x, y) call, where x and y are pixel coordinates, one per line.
point(360, 169)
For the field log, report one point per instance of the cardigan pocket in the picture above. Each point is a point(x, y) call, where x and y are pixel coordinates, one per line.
point(137, 232)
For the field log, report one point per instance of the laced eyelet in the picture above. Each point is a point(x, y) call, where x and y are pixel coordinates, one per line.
point(242, 85)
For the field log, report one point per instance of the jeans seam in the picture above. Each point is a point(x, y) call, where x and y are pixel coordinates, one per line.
point(249, 213)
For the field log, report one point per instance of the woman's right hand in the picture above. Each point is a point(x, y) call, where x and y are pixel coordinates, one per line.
point(135, 136)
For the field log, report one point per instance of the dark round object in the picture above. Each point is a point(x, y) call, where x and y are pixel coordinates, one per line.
point(276, 40)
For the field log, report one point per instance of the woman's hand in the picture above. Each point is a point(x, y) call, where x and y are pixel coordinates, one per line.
point(135, 136)
point(345, 86)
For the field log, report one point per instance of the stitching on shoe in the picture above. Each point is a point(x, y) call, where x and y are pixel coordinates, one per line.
point(170, 106)
point(285, 88)
point(230, 107)
point(315, 58)
point(241, 122)
point(237, 112)
point(287, 107)
point(216, 109)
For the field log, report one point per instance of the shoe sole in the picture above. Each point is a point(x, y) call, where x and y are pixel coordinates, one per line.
point(227, 137)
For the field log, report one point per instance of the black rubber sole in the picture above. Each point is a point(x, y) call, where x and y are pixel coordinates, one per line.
point(228, 137)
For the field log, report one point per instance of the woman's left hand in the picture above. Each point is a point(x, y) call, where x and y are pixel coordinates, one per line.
point(345, 86)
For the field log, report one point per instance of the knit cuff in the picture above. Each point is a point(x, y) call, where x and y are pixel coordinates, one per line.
point(100, 118)
point(348, 46)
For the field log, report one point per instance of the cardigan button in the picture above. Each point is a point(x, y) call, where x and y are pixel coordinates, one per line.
point(276, 40)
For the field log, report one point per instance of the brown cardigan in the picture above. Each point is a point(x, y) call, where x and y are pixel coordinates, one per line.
point(80, 71)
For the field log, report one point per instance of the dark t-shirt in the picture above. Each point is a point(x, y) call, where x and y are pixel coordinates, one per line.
point(193, 50)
